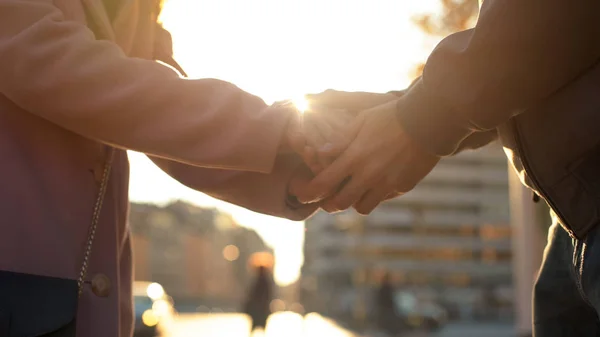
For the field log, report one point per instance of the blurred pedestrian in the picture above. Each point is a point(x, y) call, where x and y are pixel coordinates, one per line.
point(387, 318)
point(257, 304)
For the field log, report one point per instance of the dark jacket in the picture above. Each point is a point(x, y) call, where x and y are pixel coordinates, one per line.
point(529, 72)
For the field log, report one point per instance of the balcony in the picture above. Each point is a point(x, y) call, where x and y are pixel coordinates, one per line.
point(475, 269)
point(404, 216)
point(453, 197)
point(390, 242)
point(469, 174)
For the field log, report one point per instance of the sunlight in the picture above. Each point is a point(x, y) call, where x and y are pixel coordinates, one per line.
point(280, 50)
point(301, 104)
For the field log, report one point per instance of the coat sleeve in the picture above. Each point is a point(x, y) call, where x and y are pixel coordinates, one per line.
point(259, 192)
point(57, 70)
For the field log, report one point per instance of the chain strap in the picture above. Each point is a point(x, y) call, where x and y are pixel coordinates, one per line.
point(95, 219)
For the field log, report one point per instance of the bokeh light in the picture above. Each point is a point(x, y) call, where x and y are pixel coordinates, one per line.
point(155, 291)
point(149, 318)
point(231, 253)
point(277, 305)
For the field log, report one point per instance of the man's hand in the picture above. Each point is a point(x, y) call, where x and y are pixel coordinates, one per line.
point(343, 106)
point(381, 162)
point(340, 108)
point(352, 102)
point(318, 127)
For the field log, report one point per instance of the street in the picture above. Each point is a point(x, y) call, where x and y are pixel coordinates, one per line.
point(233, 325)
point(293, 325)
point(487, 330)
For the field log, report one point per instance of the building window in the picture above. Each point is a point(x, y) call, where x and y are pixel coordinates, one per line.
point(489, 256)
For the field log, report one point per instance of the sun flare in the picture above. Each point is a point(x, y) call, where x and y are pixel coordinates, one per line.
point(301, 104)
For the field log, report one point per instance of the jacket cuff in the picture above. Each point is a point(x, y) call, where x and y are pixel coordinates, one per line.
point(431, 124)
point(403, 92)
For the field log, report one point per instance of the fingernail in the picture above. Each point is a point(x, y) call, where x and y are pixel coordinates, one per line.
point(309, 199)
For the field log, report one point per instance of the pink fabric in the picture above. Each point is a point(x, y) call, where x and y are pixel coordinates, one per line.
point(65, 96)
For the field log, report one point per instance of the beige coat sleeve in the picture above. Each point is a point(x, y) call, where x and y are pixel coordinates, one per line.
point(57, 70)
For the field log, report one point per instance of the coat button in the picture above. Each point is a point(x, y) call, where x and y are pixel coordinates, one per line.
point(101, 285)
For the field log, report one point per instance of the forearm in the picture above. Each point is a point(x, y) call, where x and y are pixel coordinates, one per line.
point(518, 54)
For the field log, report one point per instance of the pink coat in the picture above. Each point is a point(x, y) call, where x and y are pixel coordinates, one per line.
point(66, 93)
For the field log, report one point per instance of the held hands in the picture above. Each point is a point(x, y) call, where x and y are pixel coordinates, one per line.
point(358, 151)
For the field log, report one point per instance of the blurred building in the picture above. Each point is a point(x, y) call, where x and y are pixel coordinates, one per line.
point(201, 256)
point(448, 241)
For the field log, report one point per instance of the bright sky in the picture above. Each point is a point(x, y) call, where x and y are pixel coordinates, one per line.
point(280, 49)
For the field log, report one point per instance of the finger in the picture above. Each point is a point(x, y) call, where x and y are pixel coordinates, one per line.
point(328, 203)
point(311, 160)
point(372, 199)
point(296, 141)
point(330, 178)
point(299, 181)
point(313, 135)
point(327, 133)
point(324, 161)
point(309, 156)
point(323, 125)
point(351, 192)
point(393, 195)
point(329, 206)
point(340, 119)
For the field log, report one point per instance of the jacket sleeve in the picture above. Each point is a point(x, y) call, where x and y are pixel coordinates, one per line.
point(476, 140)
point(518, 54)
point(57, 70)
point(473, 141)
point(259, 192)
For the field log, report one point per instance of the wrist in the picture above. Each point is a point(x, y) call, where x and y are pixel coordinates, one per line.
point(429, 123)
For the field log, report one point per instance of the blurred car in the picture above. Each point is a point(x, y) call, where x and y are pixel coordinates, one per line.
point(154, 311)
point(419, 314)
